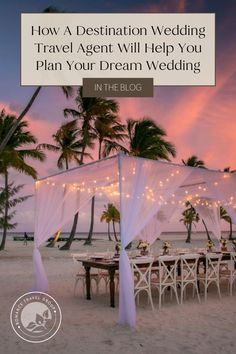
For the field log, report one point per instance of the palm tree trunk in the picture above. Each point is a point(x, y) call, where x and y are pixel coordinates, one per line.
point(88, 241)
point(114, 230)
point(189, 229)
point(68, 243)
point(230, 230)
point(100, 150)
point(207, 232)
point(108, 231)
point(2, 246)
point(19, 119)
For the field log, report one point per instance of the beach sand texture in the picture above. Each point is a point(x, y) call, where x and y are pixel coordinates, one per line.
point(91, 326)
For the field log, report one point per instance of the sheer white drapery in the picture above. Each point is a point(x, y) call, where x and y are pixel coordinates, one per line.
point(146, 191)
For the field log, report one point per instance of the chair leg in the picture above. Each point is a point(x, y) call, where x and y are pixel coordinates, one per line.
point(197, 291)
point(176, 294)
point(75, 285)
point(205, 291)
point(150, 298)
point(160, 294)
point(218, 288)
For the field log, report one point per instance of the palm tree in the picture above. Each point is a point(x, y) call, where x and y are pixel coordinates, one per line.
point(225, 216)
point(190, 217)
point(193, 161)
point(67, 90)
point(109, 131)
point(12, 201)
point(223, 213)
point(106, 217)
point(68, 144)
point(147, 139)
point(89, 108)
point(13, 156)
point(111, 214)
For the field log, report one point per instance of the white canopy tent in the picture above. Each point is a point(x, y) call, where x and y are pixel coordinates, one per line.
point(147, 193)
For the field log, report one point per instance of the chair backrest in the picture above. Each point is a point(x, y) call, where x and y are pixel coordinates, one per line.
point(213, 265)
point(143, 274)
point(189, 265)
point(168, 269)
point(233, 264)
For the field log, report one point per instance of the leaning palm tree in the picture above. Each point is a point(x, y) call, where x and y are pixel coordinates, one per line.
point(14, 156)
point(225, 216)
point(68, 144)
point(67, 90)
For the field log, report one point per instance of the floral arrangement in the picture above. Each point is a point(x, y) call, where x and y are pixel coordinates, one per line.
point(143, 245)
point(166, 245)
point(234, 242)
point(210, 244)
point(223, 241)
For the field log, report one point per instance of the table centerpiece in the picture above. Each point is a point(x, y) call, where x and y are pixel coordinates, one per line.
point(223, 242)
point(143, 246)
point(210, 244)
point(166, 247)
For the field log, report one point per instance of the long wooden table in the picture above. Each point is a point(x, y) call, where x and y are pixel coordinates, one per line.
point(112, 267)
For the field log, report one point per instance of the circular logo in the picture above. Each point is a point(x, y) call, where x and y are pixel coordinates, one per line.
point(35, 317)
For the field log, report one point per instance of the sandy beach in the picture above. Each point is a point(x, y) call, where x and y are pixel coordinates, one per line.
point(91, 326)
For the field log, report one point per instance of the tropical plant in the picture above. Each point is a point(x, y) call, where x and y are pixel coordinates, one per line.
point(68, 144)
point(88, 110)
point(225, 216)
point(147, 139)
point(189, 218)
point(14, 156)
point(9, 196)
point(106, 217)
point(193, 161)
point(111, 215)
point(67, 90)
point(108, 131)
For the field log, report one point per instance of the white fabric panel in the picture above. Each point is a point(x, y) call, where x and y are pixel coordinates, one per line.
point(58, 198)
point(144, 189)
point(211, 217)
point(157, 224)
point(147, 193)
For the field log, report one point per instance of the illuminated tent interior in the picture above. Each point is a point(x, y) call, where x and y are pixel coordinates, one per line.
point(147, 194)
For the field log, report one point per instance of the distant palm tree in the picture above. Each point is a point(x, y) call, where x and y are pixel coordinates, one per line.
point(14, 156)
point(225, 216)
point(68, 144)
point(193, 161)
point(147, 139)
point(106, 217)
point(67, 90)
point(111, 214)
point(189, 218)
point(223, 213)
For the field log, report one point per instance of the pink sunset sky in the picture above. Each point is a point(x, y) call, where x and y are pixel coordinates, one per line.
point(198, 120)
